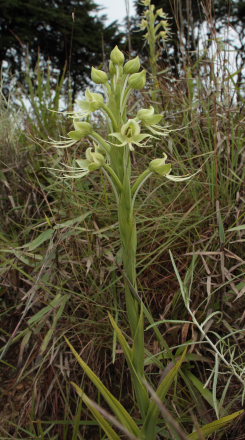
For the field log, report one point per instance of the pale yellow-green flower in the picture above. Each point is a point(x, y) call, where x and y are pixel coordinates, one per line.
point(130, 134)
point(82, 129)
point(150, 120)
point(93, 102)
point(143, 24)
point(160, 13)
point(93, 161)
point(159, 166)
point(148, 117)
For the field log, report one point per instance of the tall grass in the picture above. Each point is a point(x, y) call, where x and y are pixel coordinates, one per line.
point(61, 271)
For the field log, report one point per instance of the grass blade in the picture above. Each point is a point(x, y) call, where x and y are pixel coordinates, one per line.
point(215, 426)
point(137, 376)
point(162, 390)
point(120, 412)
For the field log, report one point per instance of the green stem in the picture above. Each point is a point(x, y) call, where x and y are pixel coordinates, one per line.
point(139, 183)
point(124, 89)
point(111, 116)
point(96, 136)
point(140, 180)
point(112, 183)
point(114, 177)
point(127, 227)
point(125, 99)
point(153, 56)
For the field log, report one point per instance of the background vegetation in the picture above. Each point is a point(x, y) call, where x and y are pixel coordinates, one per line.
point(60, 262)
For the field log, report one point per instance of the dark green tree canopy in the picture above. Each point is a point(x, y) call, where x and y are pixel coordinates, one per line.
point(64, 31)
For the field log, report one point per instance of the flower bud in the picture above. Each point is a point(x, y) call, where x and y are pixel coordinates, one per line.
point(159, 166)
point(95, 100)
point(96, 160)
point(143, 24)
point(147, 116)
point(117, 56)
point(163, 35)
point(99, 76)
point(82, 129)
point(132, 66)
point(165, 24)
point(137, 80)
point(112, 68)
point(160, 13)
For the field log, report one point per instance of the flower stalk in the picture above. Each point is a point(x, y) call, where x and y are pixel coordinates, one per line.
point(155, 25)
point(113, 155)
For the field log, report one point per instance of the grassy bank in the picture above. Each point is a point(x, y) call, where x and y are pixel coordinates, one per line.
point(62, 272)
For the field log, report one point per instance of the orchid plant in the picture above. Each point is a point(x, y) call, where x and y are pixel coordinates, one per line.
point(156, 30)
point(112, 155)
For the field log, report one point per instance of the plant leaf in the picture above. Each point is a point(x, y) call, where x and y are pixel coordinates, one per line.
point(120, 412)
point(150, 423)
point(136, 376)
point(111, 434)
point(44, 236)
point(206, 394)
point(214, 426)
point(73, 221)
point(237, 228)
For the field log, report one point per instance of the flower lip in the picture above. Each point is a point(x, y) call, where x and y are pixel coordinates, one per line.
point(130, 129)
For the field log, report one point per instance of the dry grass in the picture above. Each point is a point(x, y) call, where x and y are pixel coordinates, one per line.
point(67, 284)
